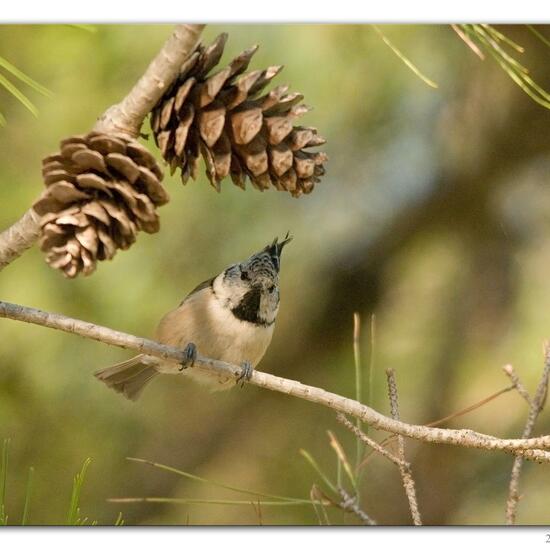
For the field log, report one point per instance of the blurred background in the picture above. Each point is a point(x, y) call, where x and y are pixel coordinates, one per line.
point(434, 215)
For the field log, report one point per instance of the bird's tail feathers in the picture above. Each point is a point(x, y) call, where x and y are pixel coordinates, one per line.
point(129, 377)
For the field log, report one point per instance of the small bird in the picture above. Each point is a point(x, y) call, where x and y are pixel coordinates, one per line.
point(229, 317)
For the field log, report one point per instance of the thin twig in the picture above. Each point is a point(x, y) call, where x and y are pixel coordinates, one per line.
point(370, 442)
point(456, 414)
point(470, 408)
point(349, 504)
point(516, 383)
point(358, 377)
point(371, 362)
point(405, 471)
point(536, 406)
point(533, 448)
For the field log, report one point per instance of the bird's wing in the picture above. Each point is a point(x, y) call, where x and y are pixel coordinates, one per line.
point(202, 286)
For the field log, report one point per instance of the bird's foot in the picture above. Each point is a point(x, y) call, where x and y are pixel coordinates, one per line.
point(246, 373)
point(190, 355)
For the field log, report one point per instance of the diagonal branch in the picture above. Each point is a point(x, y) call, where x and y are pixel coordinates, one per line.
point(125, 117)
point(532, 449)
point(19, 237)
point(536, 404)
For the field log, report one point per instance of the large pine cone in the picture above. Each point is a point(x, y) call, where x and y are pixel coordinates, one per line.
point(100, 191)
point(238, 133)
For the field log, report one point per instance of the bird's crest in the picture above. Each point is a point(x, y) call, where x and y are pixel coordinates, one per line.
point(275, 248)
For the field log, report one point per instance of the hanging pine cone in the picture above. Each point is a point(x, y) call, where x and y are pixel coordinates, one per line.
point(237, 132)
point(100, 191)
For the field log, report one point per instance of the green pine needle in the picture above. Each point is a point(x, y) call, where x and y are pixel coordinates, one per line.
point(88, 28)
point(28, 491)
point(540, 36)
point(317, 468)
point(5, 64)
point(224, 502)
point(3, 482)
point(119, 522)
point(216, 483)
point(405, 59)
point(18, 94)
point(494, 42)
point(74, 510)
point(15, 91)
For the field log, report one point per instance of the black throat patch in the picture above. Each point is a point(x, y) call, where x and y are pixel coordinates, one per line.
point(248, 308)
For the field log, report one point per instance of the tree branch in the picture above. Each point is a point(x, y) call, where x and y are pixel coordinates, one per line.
point(19, 237)
point(536, 404)
point(125, 118)
point(531, 449)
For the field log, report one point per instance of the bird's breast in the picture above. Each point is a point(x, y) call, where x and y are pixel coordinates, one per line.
point(214, 329)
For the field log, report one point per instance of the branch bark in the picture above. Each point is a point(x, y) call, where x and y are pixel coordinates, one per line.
point(531, 449)
point(19, 237)
point(124, 118)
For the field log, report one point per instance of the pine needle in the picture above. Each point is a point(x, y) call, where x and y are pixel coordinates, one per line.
point(28, 491)
point(494, 42)
point(404, 59)
point(74, 510)
point(15, 91)
point(540, 36)
point(209, 501)
point(358, 379)
point(3, 482)
point(216, 483)
point(342, 458)
point(18, 94)
point(316, 467)
point(82, 27)
point(5, 64)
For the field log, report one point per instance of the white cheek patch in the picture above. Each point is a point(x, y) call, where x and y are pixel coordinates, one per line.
point(227, 293)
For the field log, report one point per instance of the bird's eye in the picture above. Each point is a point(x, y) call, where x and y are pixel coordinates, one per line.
point(271, 289)
point(245, 276)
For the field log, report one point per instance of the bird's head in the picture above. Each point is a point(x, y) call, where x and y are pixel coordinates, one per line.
point(251, 288)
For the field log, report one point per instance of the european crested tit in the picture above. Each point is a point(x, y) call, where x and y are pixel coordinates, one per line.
point(230, 317)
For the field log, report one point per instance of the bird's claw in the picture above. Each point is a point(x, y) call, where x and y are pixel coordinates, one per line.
point(190, 355)
point(246, 373)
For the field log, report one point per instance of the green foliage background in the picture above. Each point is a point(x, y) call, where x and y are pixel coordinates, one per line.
point(434, 214)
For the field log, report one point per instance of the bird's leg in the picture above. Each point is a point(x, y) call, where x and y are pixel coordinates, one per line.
point(190, 352)
point(246, 373)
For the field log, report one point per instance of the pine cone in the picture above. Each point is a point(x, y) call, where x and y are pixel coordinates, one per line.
point(100, 191)
point(237, 132)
